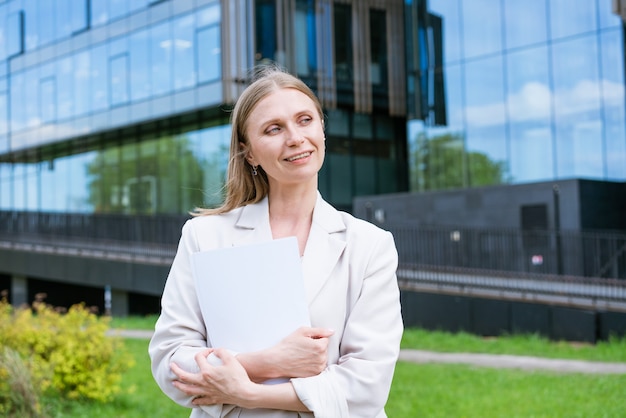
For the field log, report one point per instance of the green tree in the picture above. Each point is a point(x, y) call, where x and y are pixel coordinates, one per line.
point(161, 176)
point(441, 162)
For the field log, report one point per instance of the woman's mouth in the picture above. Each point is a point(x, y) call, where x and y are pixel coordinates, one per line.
point(298, 156)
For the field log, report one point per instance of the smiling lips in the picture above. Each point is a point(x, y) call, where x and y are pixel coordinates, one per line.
point(299, 156)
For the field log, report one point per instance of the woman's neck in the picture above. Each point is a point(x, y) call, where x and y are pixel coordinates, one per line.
point(291, 214)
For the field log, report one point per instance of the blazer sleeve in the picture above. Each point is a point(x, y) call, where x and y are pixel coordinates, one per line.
point(180, 332)
point(358, 385)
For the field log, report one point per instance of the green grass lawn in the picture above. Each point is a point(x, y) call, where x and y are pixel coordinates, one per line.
point(427, 390)
point(437, 390)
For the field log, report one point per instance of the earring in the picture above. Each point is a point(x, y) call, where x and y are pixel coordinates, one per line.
point(254, 170)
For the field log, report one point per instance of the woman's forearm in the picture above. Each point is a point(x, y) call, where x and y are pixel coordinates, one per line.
point(280, 396)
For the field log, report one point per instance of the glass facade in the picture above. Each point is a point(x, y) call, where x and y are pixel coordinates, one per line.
point(119, 107)
point(533, 91)
point(96, 101)
point(80, 98)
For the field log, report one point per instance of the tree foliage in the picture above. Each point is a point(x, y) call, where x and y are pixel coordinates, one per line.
point(442, 162)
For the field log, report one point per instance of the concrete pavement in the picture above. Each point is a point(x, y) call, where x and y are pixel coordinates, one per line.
point(514, 362)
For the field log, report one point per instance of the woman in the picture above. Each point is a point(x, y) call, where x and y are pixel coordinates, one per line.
point(341, 366)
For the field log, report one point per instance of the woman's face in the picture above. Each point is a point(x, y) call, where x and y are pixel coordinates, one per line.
point(286, 138)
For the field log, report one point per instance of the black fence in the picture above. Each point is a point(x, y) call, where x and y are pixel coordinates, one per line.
point(133, 229)
point(593, 254)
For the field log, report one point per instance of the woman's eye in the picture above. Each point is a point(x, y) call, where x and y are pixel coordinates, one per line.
point(273, 130)
point(306, 120)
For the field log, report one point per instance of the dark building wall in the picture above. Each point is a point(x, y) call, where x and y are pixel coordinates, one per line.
point(569, 204)
point(603, 205)
point(146, 279)
point(491, 317)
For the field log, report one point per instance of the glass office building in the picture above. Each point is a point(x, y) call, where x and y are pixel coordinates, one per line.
point(511, 91)
point(114, 118)
point(121, 108)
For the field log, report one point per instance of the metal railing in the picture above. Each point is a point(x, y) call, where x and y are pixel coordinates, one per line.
point(556, 264)
point(136, 229)
point(596, 254)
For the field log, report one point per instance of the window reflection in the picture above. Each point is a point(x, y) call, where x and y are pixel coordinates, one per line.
point(4, 113)
point(482, 30)
point(78, 182)
point(161, 49)
point(31, 192)
point(119, 79)
point(118, 8)
point(139, 65)
point(51, 182)
point(209, 54)
point(99, 81)
point(525, 22)
point(31, 98)
point(14, 34)
point(572, 17)
point(46, 26)
point(65, 92)
point(99, 13)
point(210, 147)
point(18, 119)
point(47, 93)
point(608, 18)
point(78, 14)
point(31, 24)
point(166, 174)
point(6, 188)
point(529, 104)
point(82, 83)
point(184, 74)
point(450, 12)
point(613, 93)
point(486, 139)
point(577, 109)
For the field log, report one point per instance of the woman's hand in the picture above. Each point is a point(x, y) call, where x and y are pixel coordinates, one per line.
point(303, 353)
point(227, 383)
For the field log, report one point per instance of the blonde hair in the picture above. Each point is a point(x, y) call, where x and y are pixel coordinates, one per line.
point(242, 187)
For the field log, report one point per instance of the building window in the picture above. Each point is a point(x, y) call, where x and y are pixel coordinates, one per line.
point(15, 34)
point(378, 53)
point(79, 15)
point(209, 54)
point(119, 79)
point(305, 39)
point(343, 44)
point(47, 99)
point(265, 30)
point(209, 45)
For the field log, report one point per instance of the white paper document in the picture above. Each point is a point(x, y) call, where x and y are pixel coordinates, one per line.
point(252, 296)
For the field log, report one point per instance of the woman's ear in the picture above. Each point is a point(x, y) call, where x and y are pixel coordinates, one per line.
point(246, 151)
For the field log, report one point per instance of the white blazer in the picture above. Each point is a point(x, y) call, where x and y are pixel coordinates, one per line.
point(349, 268)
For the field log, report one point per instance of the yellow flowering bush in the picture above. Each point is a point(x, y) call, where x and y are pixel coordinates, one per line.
point(68, 352)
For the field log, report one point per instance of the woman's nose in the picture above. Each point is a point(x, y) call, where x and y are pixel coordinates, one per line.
point(294, 136)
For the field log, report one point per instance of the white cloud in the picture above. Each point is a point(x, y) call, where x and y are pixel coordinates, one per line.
point(534, 101)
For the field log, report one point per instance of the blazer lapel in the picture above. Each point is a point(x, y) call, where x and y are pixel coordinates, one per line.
point(323, 248)
point(253, 224)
